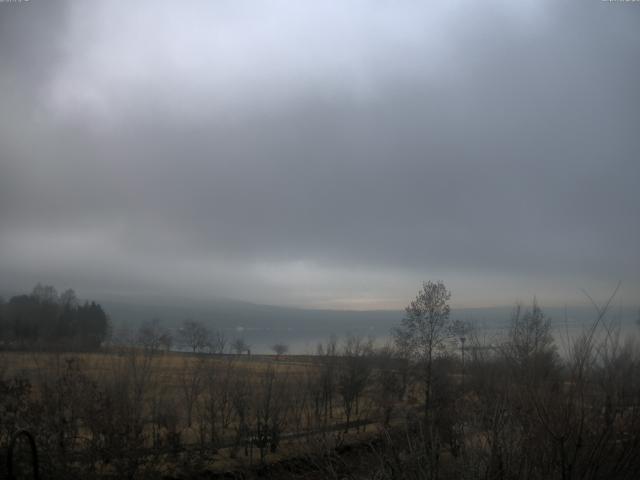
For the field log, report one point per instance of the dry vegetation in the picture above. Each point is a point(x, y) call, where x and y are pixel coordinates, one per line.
point(135, 412)
point(516, 409)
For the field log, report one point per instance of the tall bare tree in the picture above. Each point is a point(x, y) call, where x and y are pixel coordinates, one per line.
point(530, 346)
point(424, 329)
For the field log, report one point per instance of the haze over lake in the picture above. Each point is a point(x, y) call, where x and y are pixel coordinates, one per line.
point(263, 326)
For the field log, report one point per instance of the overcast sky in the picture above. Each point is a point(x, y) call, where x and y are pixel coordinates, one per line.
point(328, 154)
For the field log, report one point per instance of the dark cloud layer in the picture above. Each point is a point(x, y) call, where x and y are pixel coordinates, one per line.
point(327, 154)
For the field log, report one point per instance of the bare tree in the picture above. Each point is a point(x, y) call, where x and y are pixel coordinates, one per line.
point(280, 349)
point(118, 412)
point(424, 330)
point(270, 409)
point(153, 336)
point(389, 381)
point(421, 337)
point(191, 383)
point(241, 404)
point(68, 299)
point(531, 347)
point(194, 335)
point(217, 407)
point(327, 355)
point(217, 342)
point(46, 294)
point(240, 346)
point(354, 373)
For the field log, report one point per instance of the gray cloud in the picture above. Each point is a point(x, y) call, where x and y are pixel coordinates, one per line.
point(321, 153)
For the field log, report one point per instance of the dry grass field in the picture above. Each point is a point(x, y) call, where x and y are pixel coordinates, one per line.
point(221, 412)
point(168, 366)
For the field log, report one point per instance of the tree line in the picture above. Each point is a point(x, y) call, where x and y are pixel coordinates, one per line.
point(45, 318)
